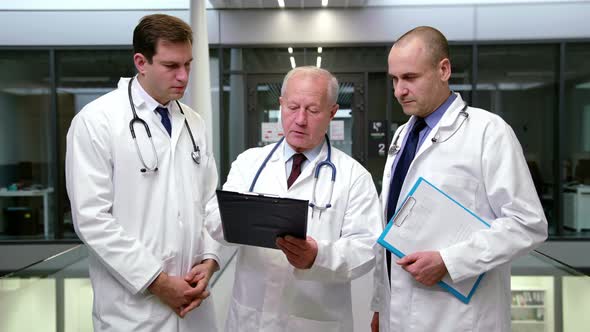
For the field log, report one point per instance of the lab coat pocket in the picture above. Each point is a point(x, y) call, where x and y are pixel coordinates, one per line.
point(242, 318)
point(453, 314)
point(298, 324)
point(461, 188)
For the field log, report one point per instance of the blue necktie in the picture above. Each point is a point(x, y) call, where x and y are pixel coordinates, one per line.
point(401, 169)
point(163, 111)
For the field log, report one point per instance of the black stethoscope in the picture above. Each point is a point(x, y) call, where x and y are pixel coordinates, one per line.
point(195, 154)
point(326, 163)
point(395, 147)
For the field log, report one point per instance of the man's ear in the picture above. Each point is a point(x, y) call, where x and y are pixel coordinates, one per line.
point(333, 111)
point(140, 61)
point(444, 68)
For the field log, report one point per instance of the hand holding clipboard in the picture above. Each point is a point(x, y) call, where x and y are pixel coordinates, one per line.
point(429, 219)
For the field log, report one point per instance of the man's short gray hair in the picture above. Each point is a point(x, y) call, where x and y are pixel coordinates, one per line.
point(332, 92)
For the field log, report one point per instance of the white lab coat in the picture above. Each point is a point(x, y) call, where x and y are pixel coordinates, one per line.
point(139, 224)
point(271, 295)
point(483, 167)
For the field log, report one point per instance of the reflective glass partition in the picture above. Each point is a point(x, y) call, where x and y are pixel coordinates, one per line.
point(82, 76)
point(27, 172)
point(575, 172)
point(519, 83)
point(42, 89)
point(56, 294)
point(547, 296)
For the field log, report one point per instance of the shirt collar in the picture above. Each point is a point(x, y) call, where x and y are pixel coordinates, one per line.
point(150, 102)
point(310, 154)
point(434, 117)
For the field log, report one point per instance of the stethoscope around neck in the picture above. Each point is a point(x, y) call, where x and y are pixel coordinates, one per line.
point(326, 163)
point(395, 147)
point(195, 154)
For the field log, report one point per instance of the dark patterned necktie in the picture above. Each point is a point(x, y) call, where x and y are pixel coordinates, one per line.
point(298, 159)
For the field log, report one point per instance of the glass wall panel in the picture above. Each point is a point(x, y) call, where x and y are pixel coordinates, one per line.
point(27, 186)
point(575, 172)
point(379, 126)
point(461, 73)
point(82, 76)
point(519, 83)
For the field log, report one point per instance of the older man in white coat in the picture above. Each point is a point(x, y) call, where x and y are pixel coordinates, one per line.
point(305, 286)
point(139, 208)
point(476, 159)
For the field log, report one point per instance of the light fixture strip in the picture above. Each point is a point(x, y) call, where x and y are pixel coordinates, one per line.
point(293, 65)
point(290, 49)
point(320, 50)
point(282, 3)
point(324, 3)
point(318, 62)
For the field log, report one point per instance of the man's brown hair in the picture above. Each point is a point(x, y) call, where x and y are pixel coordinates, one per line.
point(156, 27)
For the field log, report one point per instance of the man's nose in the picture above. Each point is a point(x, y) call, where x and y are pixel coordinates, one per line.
point(183, 73)
point(399, 90)
point(301, 117)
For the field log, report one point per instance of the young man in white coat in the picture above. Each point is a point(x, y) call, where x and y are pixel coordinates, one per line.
point(473, 156)
point(138, 208)
point(305, 286)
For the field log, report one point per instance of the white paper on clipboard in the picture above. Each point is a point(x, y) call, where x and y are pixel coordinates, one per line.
point(429, 219)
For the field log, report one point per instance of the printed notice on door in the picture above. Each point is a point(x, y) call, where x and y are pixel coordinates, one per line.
point(270, 132)
point(337, 130)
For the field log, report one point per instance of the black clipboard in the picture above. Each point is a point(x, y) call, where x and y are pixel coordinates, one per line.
point(257, 220)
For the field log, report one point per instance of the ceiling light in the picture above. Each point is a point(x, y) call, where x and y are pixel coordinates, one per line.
point(324, 3)
point(319, 62)
point(320, 50)
point(292, 62)
point(290, 49)
point(281, 3)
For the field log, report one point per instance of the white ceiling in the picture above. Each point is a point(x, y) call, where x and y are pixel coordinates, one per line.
point(260, 4)
point(241, 4)
point(268, 4)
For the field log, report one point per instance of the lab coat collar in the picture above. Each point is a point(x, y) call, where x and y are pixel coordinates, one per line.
point(447, 120)
point(282, 155)
point(278, 159)
point(138, 99)
point(144, 103)
point(310, 154)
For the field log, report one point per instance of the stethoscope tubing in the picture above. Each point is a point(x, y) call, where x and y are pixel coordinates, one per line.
point(195, 154)
point(395, 148)
point(326, 163)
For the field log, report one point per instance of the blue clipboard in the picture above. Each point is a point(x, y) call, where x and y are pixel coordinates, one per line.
point(395, 229)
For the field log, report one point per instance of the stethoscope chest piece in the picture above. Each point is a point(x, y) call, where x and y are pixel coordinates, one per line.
point(393, 149)
point(196, 155)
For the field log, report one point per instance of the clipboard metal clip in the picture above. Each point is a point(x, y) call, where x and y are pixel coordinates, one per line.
point(404, 211)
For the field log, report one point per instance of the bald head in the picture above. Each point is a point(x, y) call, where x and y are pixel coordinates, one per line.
point(434, 41)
